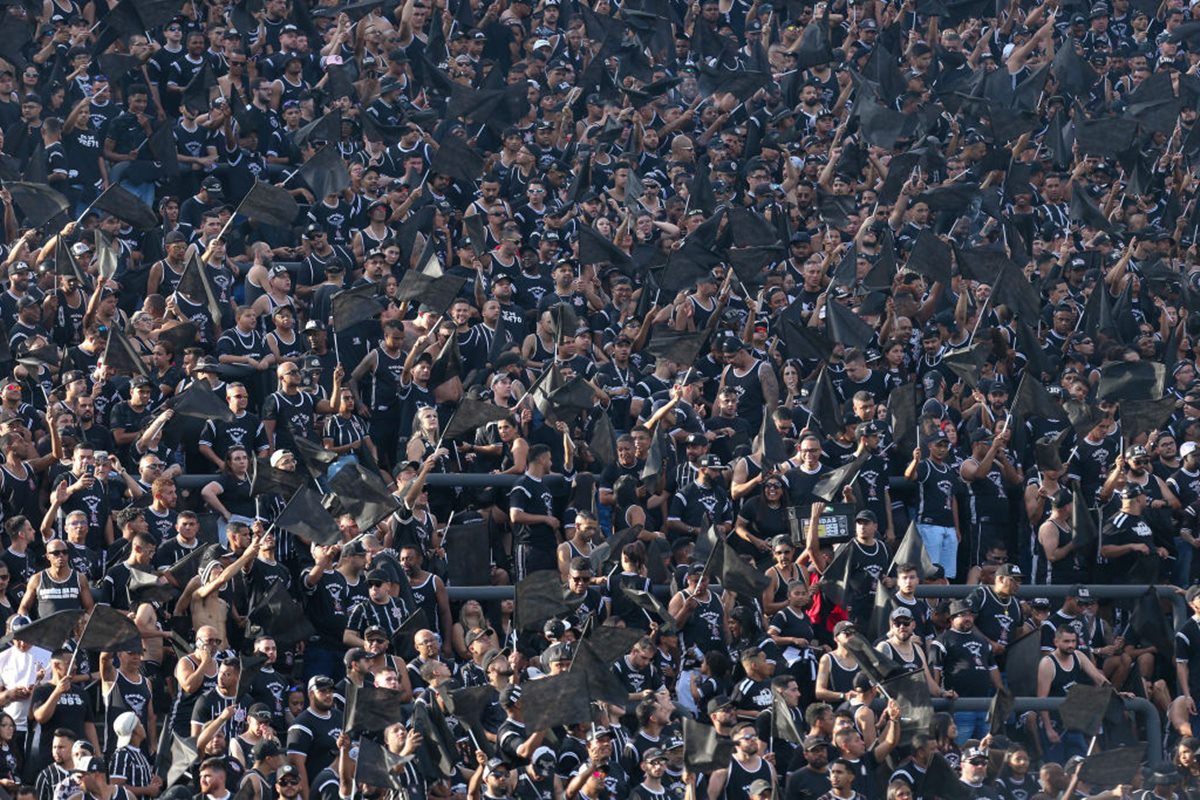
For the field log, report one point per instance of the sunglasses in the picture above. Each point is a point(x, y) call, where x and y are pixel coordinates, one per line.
point(289, 782)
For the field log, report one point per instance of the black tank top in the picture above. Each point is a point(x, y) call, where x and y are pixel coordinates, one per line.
point(196, 313)
point(170, 279)
point(1064, 679)
point(291, 91)
point(54, 596)
point(988, 502)
point(19, 493)
point(1069, 569)
point(908, 665)
point(125, 695)
point(541, 354)
point(705, 626)
point(738, 780)
point(841, 678)
point(781, 585)
point(425, 595)
point(753, 470)
point(292, 349)
point(700, 314)
point(385, 378)
point(68, 320)
point(181, 712)
point(750, 396)
point(266, 786)
point(371, 242)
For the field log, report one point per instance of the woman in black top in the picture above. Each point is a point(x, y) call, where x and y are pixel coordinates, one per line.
point(783, 572)
point(285, 344)
point(346, 434)
point(230, 494)
point(12, 755)
point(761, 519)
point(633, 575)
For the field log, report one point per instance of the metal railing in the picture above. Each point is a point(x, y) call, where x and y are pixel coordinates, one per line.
point(1138, 706)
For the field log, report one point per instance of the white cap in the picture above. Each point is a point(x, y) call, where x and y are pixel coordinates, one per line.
point(1187, 447)
point(541, 43)
point(278, 456)
point(124, 726)
point(1008, 48)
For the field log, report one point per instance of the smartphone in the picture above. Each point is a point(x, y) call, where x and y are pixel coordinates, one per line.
point(90, 470)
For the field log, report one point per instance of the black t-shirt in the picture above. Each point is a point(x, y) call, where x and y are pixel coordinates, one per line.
point(966, 663)
point(293, 415)
point(71, 711)
point(315, 737)
point(508, 738)
point(244, 431)
point(212, 704)
point(532, 495)
point(93, 502)
point(1187, 651)
point(326, 606)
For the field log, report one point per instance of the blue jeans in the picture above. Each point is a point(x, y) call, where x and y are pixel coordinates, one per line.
point(1184, 554)
point(338, 465)
point(1071, 743)
point(971, 725)
point(942, 545)
point(320, 660)
point(144, 191)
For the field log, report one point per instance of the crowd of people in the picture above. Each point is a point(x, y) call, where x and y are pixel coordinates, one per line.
point(553, 399)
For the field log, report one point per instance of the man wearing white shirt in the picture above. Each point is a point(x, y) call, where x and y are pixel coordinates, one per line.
point(22, 667)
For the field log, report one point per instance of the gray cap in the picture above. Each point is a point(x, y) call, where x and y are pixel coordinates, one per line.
point(760, 787)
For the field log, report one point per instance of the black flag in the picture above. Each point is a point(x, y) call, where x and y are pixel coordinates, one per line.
point(458, 160)
point(352, 306)
point(125, 205)
point(472, 415)
point(703, 749)
point(306, 518)
point(326, 173)
point(109, 630)
point(270, 205)
point(363, 495)
point(120, 355)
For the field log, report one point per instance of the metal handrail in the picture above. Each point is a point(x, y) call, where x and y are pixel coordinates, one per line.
point(1139, 706)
